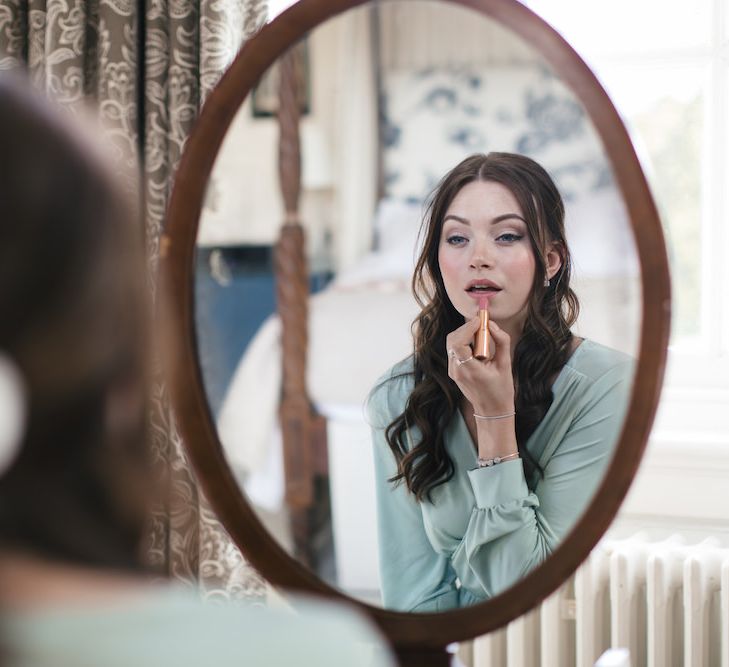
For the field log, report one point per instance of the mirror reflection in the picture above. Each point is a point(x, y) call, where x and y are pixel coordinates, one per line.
point(393, 98)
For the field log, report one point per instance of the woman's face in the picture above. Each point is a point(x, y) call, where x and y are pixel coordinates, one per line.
point(485, 252)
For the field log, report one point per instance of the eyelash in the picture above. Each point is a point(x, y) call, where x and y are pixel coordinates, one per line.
point(508, 238)
point(513, 238)
point(455, 239)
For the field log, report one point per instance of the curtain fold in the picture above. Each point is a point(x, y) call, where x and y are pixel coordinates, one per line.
point(356, 131)
point(147, 65)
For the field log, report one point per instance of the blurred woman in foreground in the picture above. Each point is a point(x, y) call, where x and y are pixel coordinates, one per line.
point(75, 476)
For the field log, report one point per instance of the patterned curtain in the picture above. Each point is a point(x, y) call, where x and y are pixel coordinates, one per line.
point(148, 66)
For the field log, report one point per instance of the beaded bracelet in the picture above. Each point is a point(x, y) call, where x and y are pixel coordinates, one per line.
point(487, 463)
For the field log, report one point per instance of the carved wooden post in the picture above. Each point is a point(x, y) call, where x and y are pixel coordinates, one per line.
point(292, 291)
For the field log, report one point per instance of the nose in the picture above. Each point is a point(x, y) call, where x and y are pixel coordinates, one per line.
point(482, 256)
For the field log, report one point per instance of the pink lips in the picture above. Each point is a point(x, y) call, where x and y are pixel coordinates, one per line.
point(481, 296)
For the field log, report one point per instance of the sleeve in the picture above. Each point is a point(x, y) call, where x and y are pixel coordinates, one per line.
point(413, 576)
point(511, 530)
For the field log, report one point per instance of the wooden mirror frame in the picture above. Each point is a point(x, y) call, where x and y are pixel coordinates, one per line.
point(412, 634)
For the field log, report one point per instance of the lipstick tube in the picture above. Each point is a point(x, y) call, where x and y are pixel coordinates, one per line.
point(482, 342)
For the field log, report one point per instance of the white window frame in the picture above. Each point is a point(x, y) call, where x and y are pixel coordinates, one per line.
point(693, 415)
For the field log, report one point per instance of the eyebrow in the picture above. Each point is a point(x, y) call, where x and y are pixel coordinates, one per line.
point(498, 218)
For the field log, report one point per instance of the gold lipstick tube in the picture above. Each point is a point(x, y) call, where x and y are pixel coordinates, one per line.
point(482, 343)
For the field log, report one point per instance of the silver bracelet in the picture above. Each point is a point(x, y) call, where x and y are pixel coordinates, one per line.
point(508, 414)
point(487, 463)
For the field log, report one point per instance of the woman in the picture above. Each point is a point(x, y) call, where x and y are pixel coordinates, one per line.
point(483, 465)
point(75, 475)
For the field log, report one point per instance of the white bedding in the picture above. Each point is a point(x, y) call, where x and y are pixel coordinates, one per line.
point(357, 330)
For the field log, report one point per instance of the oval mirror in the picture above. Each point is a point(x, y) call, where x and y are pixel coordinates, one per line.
point(387, 101)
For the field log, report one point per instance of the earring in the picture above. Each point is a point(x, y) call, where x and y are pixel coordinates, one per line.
point(546, 282)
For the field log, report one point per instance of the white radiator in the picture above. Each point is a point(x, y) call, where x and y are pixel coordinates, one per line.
point(666, 602)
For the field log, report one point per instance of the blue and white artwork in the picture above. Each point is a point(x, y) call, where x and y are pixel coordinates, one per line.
point(435, 117)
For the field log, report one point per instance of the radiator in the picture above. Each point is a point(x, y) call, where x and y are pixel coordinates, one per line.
point(666, 602)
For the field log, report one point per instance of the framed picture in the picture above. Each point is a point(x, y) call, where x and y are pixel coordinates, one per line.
point(264, 98)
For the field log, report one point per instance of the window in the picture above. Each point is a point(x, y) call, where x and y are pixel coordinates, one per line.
point(276, 7)
point(665, 64)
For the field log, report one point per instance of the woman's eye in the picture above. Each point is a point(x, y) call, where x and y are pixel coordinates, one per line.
point(509, 238)
point(456, 239)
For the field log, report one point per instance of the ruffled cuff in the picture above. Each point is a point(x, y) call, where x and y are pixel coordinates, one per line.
point(498, 484)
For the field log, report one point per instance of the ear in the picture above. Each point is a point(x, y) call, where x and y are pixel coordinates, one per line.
point(553, 258)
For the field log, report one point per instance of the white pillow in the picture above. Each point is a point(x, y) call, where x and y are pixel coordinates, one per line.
point(397, 224)
point(390, 266)
point(599, 236)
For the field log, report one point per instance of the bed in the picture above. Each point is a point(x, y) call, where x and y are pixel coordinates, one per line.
point(292, 420)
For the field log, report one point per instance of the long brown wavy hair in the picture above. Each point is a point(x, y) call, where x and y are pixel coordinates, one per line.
point(540, 353)
point(73, 298)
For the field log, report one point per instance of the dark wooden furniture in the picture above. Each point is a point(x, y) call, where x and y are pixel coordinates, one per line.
point(418, 638)
point(296, 412)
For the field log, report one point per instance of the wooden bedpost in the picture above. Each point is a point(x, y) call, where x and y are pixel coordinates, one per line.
point(292, 293)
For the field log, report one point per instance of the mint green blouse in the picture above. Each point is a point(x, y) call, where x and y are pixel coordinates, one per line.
point(487, 527)
point(171, 626)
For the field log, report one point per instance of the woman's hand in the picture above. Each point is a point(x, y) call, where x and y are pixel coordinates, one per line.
point(487, 384)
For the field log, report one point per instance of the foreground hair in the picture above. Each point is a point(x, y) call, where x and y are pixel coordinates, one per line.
point(75, 322)
point(541, 351)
